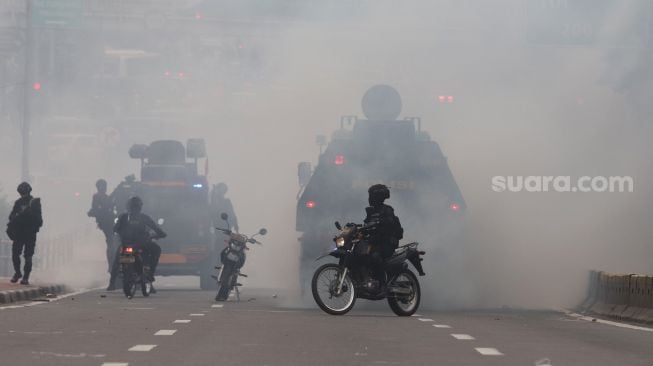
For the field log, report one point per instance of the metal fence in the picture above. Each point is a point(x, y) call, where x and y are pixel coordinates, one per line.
point(52, 252)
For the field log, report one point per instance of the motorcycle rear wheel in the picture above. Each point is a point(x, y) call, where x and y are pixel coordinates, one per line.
point(128, 283)
point(325, 282)
point(406, 305)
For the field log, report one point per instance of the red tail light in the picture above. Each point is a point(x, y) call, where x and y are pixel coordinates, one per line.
point(128, 250)
point(339, 160)
point(454, 207)
point(310, 204)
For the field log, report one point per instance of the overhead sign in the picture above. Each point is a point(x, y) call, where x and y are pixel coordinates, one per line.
point(57, 13)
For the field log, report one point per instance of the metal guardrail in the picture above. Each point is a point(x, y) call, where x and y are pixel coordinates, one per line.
point(6, 269)
point(51, 253)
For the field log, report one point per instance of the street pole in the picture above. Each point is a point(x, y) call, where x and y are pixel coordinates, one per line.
point(27, 91)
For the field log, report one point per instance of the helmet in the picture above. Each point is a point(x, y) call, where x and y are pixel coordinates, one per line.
point(101, 185)
point(24, 188)
point(377, 194)
point(134, 204)
point(220, 189)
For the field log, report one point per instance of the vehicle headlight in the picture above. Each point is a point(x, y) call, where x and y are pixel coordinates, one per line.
point(340, 242)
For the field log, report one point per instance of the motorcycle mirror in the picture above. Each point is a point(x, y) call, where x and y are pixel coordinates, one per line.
point(338, 226)
point(224, 216)
point(263, 231)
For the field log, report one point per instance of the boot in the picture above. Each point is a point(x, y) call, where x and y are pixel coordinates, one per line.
point(25, 280)
point(17, 276)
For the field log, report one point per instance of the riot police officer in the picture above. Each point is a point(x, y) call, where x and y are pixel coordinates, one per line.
point(102, 210)
point(124, 191)
point(383, 227)
point(220, 204)
point(25, 221)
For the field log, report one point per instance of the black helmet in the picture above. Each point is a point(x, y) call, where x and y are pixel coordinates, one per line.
point(220, 189)
point(377, 194)
point(134, 204)
point(101, 185)
point(24, 188)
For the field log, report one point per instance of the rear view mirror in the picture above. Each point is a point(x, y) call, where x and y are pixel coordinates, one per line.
point(263, 231)
point(304, 172)
point(138, 151)
point(224, 216)
point(338, 226)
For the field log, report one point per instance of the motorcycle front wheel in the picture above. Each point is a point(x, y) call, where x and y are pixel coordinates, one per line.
point(146, 287)
point(225, 282)
point(324, 286)
point(406, 304)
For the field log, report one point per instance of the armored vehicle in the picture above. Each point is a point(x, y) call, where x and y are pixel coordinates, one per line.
point(379, 149)
point(176, 195)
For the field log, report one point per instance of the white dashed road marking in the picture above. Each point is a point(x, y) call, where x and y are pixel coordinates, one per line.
point(463, 337)
point(425, 320)
point(441, 326)
point(143, 348)
point(197, 314)
point(166, 332)
point(489, 351)
point(182, 321)
point(115, 364)
point(217, 306)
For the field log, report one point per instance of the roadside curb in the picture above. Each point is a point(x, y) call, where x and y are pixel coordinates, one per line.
point(10, 296)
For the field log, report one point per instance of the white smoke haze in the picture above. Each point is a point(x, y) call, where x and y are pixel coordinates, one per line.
point(519, 109)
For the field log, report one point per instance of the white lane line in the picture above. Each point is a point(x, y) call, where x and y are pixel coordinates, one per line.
point(488, 351)
point(142, 348)
point(115, 364)
point(442, 326)
point(425, 320)
point(199, 314)
point(463, 337)
point(217, 306)
point(615, 324)
point(181, 321)
point(166, 332)
point(416, 315)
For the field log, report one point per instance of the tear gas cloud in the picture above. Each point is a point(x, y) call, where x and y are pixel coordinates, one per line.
point(523, 105)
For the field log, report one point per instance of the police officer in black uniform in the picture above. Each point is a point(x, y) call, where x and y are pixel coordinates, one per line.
point(124, 191)
point(25, 221)
point(134, 229)
point(384, 228)
point(220, 204)
point(102, 209)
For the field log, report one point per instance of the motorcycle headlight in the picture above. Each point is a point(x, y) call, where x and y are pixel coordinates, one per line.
point(340, 242)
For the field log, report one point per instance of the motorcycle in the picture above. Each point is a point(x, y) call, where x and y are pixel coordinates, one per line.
point(233, 259)
point(336, 287)
point(135, 273)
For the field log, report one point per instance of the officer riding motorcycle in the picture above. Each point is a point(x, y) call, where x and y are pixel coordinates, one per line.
point(134, 228)
point(384, 229)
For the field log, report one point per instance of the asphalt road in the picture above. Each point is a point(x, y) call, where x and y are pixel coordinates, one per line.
point(100, 328)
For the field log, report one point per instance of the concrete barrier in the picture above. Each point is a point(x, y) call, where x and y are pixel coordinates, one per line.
point(620, 296)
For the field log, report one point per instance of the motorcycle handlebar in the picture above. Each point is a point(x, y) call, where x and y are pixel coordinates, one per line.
point(226, 231)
